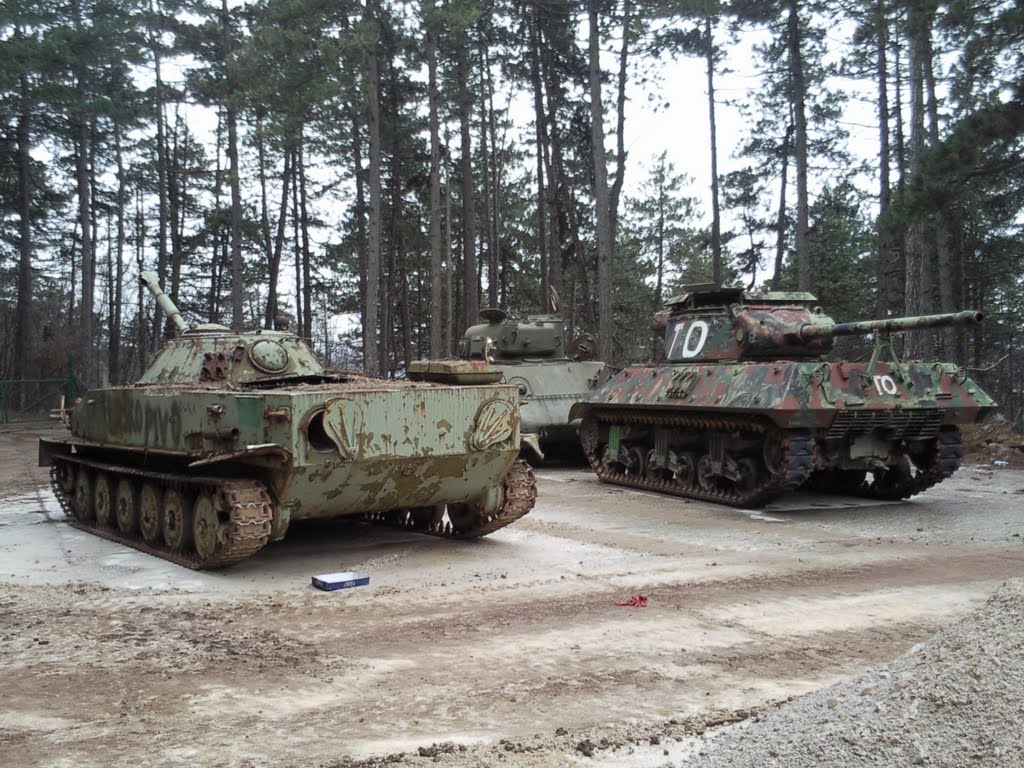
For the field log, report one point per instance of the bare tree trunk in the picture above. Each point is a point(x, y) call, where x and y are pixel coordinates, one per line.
point(449, 269)
point(540, 125)
point(23, 311)
point(117, 292)
point(499, 292)
point(620, 120)
point(885, 243)
point(80, 128)
point(716, 215)
point(917, 280)
point(796, 65)
point(237, 318)
point(276, 247)
point(307, 271)
point(781, 218)
point(485, 180)
point(604, 243)
point(300, 321)
point(470, 278)
point(947, 259)
point(371, 357)
point(436, 326)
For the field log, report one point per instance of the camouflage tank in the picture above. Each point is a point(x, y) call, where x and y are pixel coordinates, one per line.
point(533, 356)
point(229, 437)
point(747, 408)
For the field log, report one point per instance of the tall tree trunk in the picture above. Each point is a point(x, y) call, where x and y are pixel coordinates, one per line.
point(276, 246)
point(486, 152)
point(885, 240)
point(917, 289)
point(162, 165)
point(499, 292)
point(23, 311)
point(300, 322)
point(540, 125)
point(307, 269)
point(716, 215)
point(470, 277)
point(780, 216)
point(371, 356)
point(449, 270)
point(117, 292)
point(947, 259)
point(237, 318)
point(620, 121)
point(604, 234)
point(174, 206)
point(436, 286)
point(799, 95)
point(80, 132)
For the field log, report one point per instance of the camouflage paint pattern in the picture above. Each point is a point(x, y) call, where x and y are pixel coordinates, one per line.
point(747, 406)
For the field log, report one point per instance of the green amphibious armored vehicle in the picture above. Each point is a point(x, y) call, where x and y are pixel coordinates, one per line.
point(228, 437)
point(747, 407)
point(533, 355)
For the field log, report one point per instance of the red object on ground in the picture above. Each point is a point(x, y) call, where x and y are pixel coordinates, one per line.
point(636, 601)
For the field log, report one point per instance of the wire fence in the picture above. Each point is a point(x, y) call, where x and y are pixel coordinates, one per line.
point(36, 399)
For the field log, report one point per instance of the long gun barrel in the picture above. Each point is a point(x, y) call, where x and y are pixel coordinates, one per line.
point(892, 325)
point(149, 279)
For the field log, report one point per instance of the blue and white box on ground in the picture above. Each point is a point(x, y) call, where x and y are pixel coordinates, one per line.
point(342, 580)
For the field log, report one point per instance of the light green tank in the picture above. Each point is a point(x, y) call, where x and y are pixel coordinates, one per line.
point(229, 437)
point(550, 375)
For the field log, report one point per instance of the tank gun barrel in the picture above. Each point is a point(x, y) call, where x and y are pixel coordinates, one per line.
point(149, 279)
point(891, 325)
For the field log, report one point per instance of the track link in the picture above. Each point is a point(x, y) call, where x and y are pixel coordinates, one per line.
point(796, 450)
point(247, 509)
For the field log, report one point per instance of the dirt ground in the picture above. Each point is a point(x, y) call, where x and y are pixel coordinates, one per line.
point(509, 650)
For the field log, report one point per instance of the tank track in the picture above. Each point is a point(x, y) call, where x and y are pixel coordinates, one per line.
point(246, 520)
point(797, 455)
point(948, 452)
point(520, 488)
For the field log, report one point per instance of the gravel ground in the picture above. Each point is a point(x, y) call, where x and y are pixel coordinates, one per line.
point(953, 700)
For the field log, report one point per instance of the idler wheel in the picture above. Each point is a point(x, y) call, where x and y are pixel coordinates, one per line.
point(125, 507)
point(205, 526)
point(149, 513)
point(83, 502)
point(103, 502)
point(176, 521)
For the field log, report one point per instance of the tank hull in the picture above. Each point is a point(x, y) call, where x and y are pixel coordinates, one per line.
point(549, 390)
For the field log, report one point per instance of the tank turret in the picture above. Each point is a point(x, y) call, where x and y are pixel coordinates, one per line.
point(213, 355)
point(722, 324)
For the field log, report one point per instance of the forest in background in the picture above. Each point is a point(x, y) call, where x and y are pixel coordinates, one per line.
point(363, 161)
